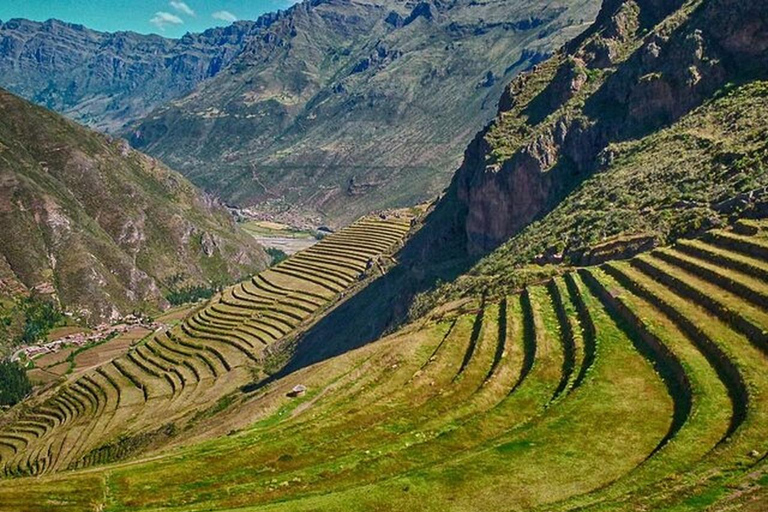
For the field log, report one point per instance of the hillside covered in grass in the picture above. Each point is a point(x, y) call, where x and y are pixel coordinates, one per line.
point(637, 385)
point(176, 377)
point(101, 229)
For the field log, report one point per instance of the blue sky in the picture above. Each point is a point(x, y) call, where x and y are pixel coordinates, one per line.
point(170, 18)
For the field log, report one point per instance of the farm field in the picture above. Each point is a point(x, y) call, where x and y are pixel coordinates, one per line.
point(176, 314)
point(109, 350)
point(61, 332)
point(125, 395)
point(636, 384)
point(53, 358)
point(51, 366)
point(46, 375)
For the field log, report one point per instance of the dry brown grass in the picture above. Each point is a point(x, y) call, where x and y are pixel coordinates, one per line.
point(54, 358)
point(111, 349)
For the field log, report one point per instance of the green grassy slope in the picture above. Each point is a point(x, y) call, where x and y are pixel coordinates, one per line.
point(692, 176)
point(103, 228)
point(610, 148)
point(635, 385)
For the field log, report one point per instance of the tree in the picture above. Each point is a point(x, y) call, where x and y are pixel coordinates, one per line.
point(14, 384)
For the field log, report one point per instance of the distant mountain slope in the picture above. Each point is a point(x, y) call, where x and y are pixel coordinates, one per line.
point(322, 112)
point(104, 228)
point(105, 80)
point(340, 106)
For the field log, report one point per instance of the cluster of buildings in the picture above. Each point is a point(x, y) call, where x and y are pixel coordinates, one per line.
point(80, 339)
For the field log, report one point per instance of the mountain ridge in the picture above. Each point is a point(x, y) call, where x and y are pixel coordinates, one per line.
point(105, 79)
point(584, 160)
point(100, 227)
point(369, 109)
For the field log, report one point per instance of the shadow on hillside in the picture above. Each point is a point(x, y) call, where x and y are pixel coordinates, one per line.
point(436, 253)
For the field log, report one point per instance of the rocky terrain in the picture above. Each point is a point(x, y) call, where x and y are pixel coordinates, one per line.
point(106, 80)
point(646, 128)
point(342, 107)
point(100, 227)
point(608, 87)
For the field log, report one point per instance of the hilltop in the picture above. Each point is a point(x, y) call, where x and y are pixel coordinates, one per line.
point(101, 228)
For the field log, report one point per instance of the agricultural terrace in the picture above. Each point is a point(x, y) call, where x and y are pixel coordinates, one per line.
point(636, 385)
point(125, 405)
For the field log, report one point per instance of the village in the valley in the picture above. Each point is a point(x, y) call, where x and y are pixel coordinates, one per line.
point(98, 334)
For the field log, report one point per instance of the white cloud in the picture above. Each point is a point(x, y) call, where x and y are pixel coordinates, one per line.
point(182, 7)
point(224, 16)
point(162, 19)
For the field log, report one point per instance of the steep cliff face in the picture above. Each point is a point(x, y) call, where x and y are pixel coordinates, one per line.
point(641, 67)
point(106, 80)
point(101, 227)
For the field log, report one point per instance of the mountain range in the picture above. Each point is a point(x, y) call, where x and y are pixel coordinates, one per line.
point(105, 80)
point(316, 114)
point(578, 322)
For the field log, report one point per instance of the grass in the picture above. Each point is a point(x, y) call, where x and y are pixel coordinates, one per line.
point(274, 230)
point(434, 416)
point(216, 350)
point(525, 448)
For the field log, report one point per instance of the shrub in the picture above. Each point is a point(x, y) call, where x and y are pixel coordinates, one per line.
point(189, 294)
point(277, 255)
point(40, 317)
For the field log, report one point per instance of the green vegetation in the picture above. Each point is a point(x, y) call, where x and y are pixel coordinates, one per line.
point(610, 357)
point(40, 317)
point(124, 225)
point(277, 255)
point(674, 183)
point(197, 371)
point(14, 384)
point(273, 229)
point(190, 294)
point(26, 320)
point(637, 384)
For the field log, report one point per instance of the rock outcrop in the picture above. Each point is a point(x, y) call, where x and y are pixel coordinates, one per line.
point(643, 65)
